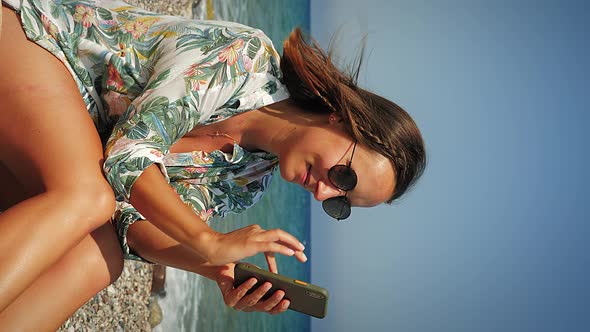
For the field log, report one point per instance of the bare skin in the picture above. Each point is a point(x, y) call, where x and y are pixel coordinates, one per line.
point(84, 270)
point(49, 142)
point(55, 216)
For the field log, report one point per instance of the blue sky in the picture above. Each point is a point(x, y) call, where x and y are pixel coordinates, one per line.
point(494, 237)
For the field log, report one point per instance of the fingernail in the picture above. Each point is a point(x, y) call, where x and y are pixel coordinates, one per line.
point(301, 246)
point(304, 257)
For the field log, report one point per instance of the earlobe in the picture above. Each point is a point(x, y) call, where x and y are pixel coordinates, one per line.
point(335, 118)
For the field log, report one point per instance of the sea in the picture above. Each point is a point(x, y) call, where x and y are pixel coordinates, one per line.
point(194, 303)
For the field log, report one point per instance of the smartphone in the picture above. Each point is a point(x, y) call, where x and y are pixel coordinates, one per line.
point(305, 298)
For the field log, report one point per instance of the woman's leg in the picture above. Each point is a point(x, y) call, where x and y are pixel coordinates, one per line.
point(92, 265)
point(47, 136)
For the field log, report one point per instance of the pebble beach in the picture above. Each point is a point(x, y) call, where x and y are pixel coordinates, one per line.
point(122, 306)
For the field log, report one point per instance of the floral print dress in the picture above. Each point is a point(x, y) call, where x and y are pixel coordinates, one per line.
point(147, 80)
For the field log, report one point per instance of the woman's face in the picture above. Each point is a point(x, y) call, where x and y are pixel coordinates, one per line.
point(312, 149)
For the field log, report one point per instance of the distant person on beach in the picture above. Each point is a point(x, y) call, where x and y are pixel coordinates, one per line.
point(126, 129)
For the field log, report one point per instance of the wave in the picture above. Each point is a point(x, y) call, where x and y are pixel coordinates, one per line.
point(180, 305)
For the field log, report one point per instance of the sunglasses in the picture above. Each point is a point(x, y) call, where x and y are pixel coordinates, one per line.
point(344, 178)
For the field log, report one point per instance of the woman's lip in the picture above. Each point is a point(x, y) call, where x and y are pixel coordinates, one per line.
point(306, 179)
point(303, 179)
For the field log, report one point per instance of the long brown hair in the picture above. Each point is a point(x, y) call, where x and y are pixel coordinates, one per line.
point(316, 84)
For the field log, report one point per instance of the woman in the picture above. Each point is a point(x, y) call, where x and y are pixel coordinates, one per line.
point(194, 117)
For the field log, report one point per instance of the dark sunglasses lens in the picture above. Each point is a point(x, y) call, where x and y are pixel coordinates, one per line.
point(337, 207)
point(342, 177)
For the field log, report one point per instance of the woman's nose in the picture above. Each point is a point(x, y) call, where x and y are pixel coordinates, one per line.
point(324, 191)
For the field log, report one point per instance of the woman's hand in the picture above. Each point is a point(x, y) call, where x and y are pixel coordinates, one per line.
point(239, 300)
point(250, 240)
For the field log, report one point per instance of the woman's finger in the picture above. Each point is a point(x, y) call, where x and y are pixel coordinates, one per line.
point(300, 256)
point(280, 308)
point(279, 235)
point(272, 262)
point(253, 298)
point(237, 294)
point(271, 302)
point(226, 285)
point(275, 248)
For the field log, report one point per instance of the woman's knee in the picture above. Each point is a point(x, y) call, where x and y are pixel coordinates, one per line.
point(102, 197)
point(93, 202)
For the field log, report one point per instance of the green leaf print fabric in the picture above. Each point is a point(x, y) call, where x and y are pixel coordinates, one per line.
point(149, 79)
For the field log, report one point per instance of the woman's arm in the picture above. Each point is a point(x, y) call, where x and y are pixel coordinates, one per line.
point(153, 197)
point(155, 246)
point(152, 244)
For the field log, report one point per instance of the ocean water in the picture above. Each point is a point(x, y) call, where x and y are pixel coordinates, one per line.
point(194, 303)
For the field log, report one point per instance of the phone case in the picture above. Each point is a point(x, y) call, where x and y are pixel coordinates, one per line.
point(305, 298)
